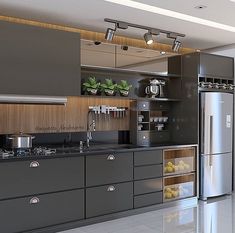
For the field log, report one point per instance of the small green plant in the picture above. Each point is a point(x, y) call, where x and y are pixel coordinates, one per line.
point(91, 86)
point(108, 87)
point(124, 88)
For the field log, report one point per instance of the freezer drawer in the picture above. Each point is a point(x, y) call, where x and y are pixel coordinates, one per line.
point(216, 175)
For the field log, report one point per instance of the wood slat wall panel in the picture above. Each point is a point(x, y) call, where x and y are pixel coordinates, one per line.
point(15, 118)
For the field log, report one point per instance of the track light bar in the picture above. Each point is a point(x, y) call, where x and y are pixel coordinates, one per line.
point(154, 31)
point(148, 37)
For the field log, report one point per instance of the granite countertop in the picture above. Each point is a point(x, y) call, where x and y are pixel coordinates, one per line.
point(100, 149)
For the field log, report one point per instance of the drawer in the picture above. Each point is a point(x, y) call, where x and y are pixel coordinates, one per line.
point(143, 105)
point(23, 214)
point(148, 157)
point(25, 178)
point(146, 172)
point(109, 199)
point(147, 186)
point(143, 138)
point(109, 168)
point(148, 199)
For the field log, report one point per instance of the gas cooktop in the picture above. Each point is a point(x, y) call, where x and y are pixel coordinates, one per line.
point(36, 151)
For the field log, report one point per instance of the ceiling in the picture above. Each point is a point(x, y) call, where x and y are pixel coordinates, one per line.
point(90, 14)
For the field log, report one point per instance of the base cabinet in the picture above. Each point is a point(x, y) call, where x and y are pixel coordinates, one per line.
point(84, 189)
point(29, 213)
point(24, 178)
point(147, 199)
point(109, 199)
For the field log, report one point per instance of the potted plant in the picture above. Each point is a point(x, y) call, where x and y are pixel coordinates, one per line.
point(91, 86)
point(109, 87)
point(124, 88)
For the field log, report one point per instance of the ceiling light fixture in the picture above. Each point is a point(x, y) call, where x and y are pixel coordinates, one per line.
point(148, 37)
point(176, 45)
point(172, 14)
point(110, 34)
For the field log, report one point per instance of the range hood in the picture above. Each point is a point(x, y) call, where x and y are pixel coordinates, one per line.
point(32, 99)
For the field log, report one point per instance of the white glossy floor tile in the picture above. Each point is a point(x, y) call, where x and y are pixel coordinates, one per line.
point(213, 216)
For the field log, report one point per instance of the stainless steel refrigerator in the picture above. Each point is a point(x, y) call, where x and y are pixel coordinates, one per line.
point(216, 136)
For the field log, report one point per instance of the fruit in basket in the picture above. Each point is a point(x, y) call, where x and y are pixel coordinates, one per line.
point(168, 190)
point(186, 166)
point(169, 164)
point(175, 193)
point(168, 195)
point(170, 169)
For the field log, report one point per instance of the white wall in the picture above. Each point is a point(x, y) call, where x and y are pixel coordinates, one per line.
point(229, 51)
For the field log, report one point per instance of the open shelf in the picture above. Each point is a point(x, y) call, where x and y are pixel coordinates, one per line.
point(133, 98)
point(129, 71)
point(179, 161)
point(178, 187)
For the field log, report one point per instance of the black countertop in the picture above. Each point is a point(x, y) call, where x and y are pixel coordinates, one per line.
point(73, 151)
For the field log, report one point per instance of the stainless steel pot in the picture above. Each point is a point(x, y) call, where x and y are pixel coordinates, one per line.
point(21, 140)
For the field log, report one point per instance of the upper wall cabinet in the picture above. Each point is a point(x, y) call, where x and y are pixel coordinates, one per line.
point(214, 65)
point(39, 61)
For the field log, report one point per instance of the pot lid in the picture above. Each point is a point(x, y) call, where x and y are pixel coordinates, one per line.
point(21, 135)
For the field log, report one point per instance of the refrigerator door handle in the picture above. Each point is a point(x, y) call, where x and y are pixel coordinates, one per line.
point(211, 141)
point(203, 131)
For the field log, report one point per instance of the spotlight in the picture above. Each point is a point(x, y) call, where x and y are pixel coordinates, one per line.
point(97, 43)
point(148, 37)
point(110, 34)
point(176, 45)
point(124, 47)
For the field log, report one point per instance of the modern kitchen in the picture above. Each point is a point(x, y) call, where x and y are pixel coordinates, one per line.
point(117, 116)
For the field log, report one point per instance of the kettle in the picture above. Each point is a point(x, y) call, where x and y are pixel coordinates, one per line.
point(153, 89)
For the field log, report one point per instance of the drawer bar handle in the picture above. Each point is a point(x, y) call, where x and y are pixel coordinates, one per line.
point(34, 201)
point(34, 164)
point(111, 189)
point(111, 157)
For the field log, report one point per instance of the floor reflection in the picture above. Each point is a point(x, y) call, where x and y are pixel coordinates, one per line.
point(181, 221)
point(216, 215)
point(213, 216)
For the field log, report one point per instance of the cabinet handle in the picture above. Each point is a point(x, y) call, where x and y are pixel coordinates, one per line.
point(111, 157)
point(111, 189)
point(34, 200)
point(34, 164)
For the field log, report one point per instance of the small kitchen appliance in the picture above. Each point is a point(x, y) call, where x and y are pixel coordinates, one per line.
point(153, 89)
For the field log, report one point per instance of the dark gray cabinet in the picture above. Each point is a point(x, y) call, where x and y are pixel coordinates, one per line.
point(22, 178)
point(148, 199)
point(148, 186)
point(109, 199)
point(39, 61)
point(146, 172)
point(148, 157)
point(33, 212)
point(109, 168)
point(218, 66)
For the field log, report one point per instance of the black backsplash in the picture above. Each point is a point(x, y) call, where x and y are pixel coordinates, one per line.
point(114, 137)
